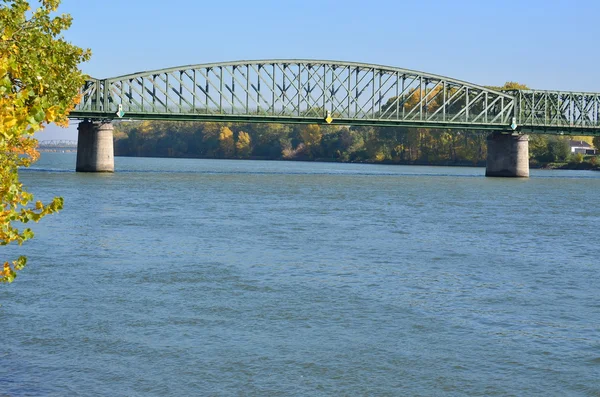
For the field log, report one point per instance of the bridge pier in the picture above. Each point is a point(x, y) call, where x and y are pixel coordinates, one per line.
point(507, 155)
point(95, 151)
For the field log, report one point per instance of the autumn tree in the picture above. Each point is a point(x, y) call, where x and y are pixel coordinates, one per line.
point(509, 86)
point(226, 142)
point(311, 135)
point(39, 84)
point(242, 146)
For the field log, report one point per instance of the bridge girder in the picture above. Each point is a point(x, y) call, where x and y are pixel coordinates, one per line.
point(310, 91)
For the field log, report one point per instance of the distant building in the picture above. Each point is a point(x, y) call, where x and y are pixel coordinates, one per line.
point(582, 147)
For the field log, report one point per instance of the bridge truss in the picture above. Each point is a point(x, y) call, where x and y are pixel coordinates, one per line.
point(561, 112)
point(311, 91)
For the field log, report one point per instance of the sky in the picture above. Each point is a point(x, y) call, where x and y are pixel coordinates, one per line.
point(551, 44)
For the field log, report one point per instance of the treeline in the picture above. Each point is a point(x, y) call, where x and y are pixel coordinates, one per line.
point(298, 142)
point(316, 142)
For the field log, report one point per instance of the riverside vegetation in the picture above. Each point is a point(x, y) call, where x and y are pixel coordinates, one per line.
point(393, 145)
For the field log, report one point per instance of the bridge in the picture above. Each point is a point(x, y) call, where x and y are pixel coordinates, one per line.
point(55, 144)
point(345, 93)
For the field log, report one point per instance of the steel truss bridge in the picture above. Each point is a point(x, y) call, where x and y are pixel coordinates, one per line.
point(346, 93)
point(58, 143)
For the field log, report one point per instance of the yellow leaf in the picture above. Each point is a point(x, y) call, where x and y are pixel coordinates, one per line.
point(51, 113)
point(10, 122)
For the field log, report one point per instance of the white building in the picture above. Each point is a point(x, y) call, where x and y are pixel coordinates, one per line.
point(582, 147)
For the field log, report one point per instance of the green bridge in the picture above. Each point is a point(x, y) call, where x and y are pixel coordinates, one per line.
point(347, 93)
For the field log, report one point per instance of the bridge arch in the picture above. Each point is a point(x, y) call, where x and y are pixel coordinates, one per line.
point(298, 91)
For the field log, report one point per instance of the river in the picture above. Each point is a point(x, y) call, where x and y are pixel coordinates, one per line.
point(181, 277)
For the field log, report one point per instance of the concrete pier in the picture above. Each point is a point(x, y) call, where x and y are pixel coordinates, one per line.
point(95, 151)
point(507, 155)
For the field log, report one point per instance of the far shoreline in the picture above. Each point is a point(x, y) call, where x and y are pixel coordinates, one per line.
point(583, 166)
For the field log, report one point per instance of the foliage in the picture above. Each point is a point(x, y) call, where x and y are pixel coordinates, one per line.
point(226, 142)
point(548, 149)
point(577, 158)
point(242, 146)
point(279, 141)
point(431, 100)
point(583, 138)
point(311, 135)
point(596, 142)
point(510, 86)
point(39, 84)
point(558, 148)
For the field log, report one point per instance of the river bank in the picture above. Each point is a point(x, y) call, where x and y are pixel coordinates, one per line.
point(585, 165)
point(567, 166)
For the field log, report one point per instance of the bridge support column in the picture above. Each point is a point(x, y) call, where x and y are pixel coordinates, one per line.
point(507, 155)
point(95, 151)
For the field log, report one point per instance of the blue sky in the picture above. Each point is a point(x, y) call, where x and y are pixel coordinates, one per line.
point(544, 44)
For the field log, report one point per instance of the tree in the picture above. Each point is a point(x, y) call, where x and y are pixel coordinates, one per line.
point(509, 86)
point(39, 84)
point(269, 139)
point(226, 142)
point(431, 99)
point(242, 146)
point(311, 135)
point(596, 142)
point(557, 149)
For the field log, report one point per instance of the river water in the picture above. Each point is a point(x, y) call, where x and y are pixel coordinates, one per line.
point(181, 277)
